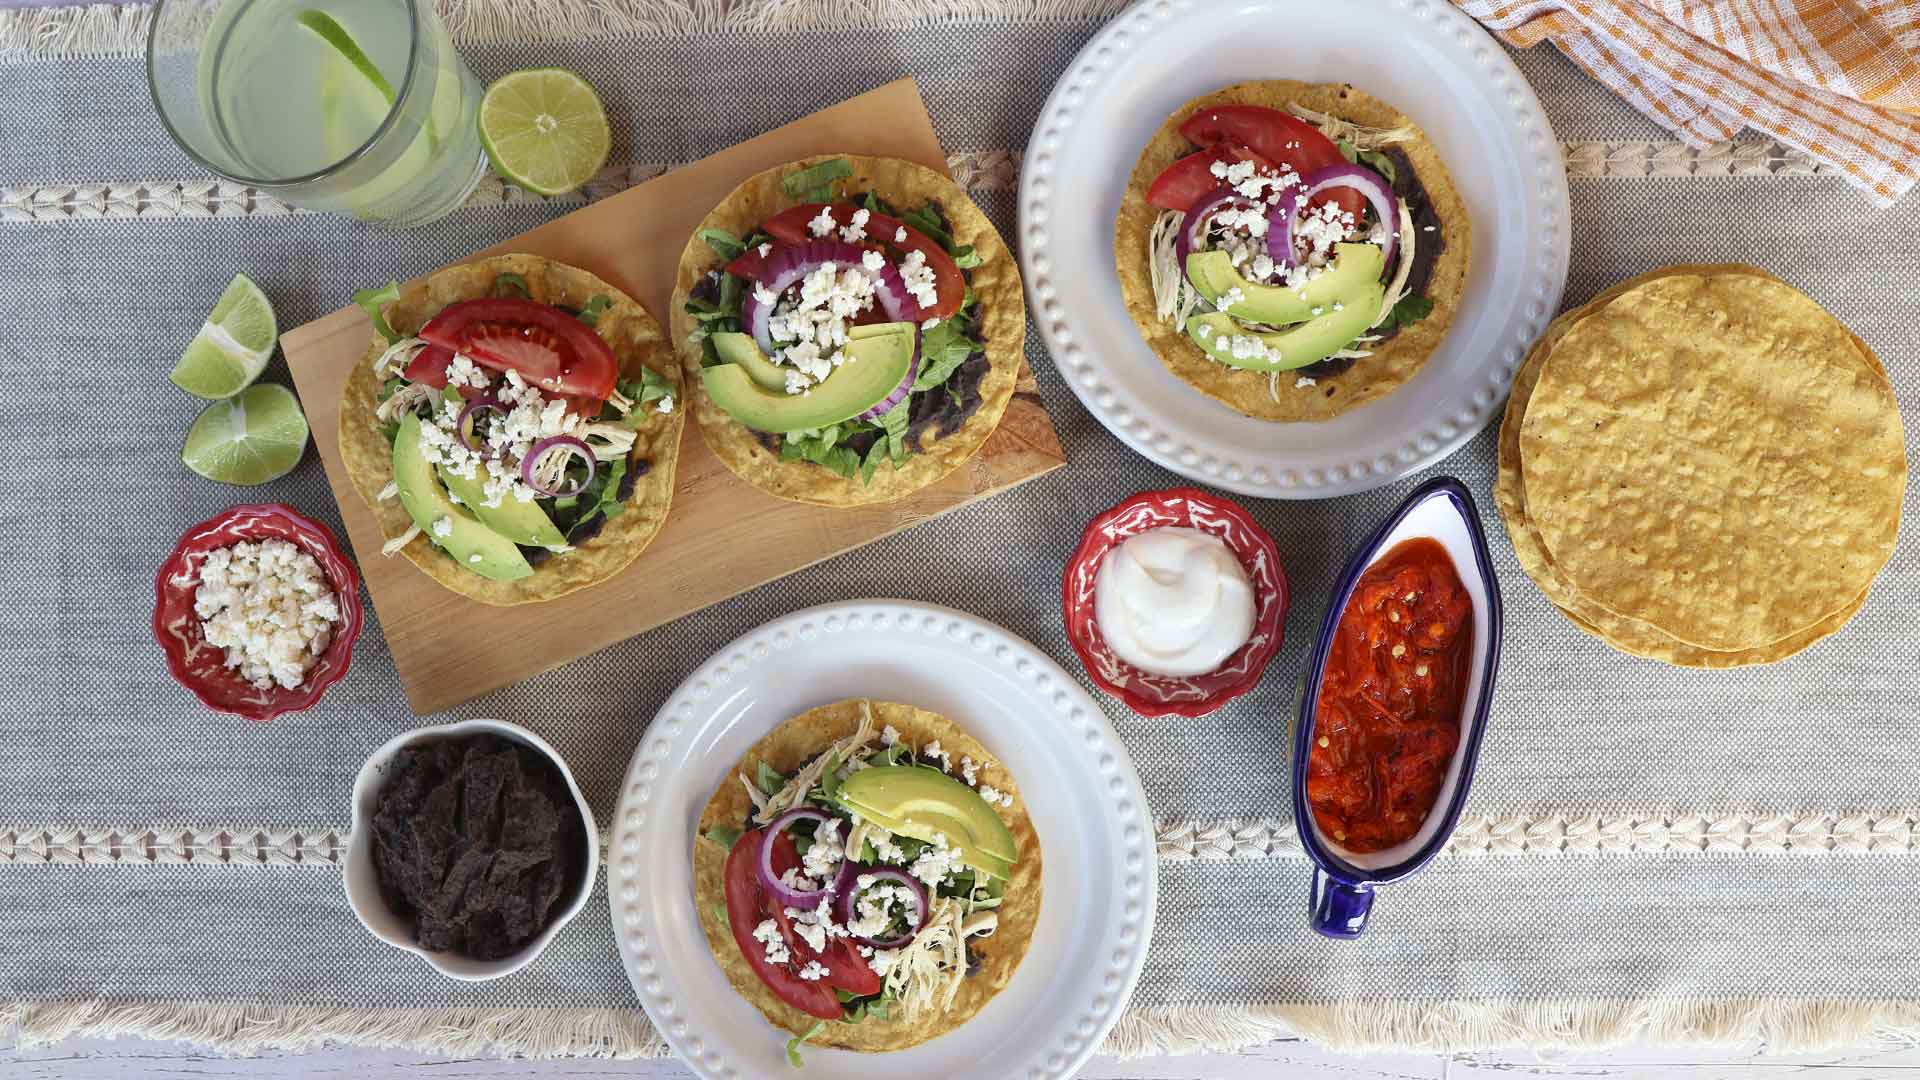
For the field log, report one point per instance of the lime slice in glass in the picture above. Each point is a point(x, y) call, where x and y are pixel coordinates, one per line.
point(233, 345)
point(336, 35)
point(250, 439)
point(544, 130)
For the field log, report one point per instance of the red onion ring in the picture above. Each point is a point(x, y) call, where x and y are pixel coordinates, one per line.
point(899, 393)
point(847, 885)
point(791, 262)
point(1193, 228)
point(803, 899)
point(1363, 180)
point(557, 442)
point(463, 433)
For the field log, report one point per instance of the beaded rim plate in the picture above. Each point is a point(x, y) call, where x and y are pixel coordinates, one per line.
point(1098, 878)
point(1423, 56)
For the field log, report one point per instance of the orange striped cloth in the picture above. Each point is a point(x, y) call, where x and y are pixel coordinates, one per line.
point(1838, 80)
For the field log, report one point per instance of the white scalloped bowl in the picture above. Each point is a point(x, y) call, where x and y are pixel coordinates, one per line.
point(1098, 874)
point(363, 885)
point(1424, 57)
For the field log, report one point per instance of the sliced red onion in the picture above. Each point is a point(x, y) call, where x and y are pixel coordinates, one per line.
point(791, 262)
point(899, 393)
point(804, 899)
point(564, 443)
point(474, 408)
point(848, 887)
point(1363, 180)
point(1193, 228)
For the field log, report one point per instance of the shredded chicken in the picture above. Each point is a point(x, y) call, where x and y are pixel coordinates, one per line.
point(926, 973)
point(1362, 138)
point(405, 400)
point(864, 830)
point(610, 441)
point(390, 491)
point(620, 401)
point(979, 924)
point(397, 356)
point(753, 792)
point(1398, 289)
point(1173, 297)
point(796, 790)
point(391, 547)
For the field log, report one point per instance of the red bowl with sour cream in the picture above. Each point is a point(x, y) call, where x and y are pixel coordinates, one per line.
point(201, 667)
point(1162, 695)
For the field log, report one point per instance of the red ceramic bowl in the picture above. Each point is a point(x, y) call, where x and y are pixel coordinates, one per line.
point(201, 667)
point(1162, 695)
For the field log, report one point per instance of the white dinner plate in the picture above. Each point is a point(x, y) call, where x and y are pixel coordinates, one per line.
point(1097, 879)
point(1422, 56)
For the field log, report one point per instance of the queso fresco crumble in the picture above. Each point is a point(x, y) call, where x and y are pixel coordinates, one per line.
point(268, 605)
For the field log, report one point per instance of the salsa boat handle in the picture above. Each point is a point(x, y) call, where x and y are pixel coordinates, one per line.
point(1343, 886)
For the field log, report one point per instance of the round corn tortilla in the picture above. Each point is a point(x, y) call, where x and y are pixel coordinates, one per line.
point(1627, 635)
point(1002, 327)
point(785, 749)
point(1805, 610)
point(1259, 394)
point(636, 341)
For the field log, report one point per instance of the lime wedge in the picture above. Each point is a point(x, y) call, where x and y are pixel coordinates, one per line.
point(233, 345)
point(336, 35)
point(544, 130)
point(250, 439)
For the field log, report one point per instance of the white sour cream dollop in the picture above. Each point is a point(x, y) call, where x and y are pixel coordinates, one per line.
point(1173, 602)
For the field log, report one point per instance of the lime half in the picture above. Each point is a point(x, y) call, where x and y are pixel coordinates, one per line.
point(250, 439)
point(544, 130)
point(233, 345)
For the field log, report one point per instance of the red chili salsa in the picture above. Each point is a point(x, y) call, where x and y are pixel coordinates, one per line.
point(1389, 716)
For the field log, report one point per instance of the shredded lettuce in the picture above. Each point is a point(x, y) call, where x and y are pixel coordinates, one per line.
point(724, 244)
point(794, 1044)
point(374, 303)
point(595, 308)
point(815, 182)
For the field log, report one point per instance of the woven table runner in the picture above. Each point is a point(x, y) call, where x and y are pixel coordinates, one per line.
point(1648, 852)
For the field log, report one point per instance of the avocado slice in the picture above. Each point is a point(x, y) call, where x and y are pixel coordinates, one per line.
point(741, 349)
point(520, 522)
point(426, 502)
point(1296, 347)
point(1354, 267)
point(877, 361)
point(919, 802)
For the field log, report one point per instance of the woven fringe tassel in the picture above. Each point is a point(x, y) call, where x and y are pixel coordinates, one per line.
point(248, 1029)
point(1779, 1026)
point(95, 30)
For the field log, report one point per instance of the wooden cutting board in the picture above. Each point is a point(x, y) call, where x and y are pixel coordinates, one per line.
point(723, 536)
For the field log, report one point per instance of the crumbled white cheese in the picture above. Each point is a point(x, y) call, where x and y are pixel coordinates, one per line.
point(935, 753)
point(823, 857)
point(665, 404)
point(442, 527)
point(267, 604)
point(857, 230)
point(994, 796)
point(814, 971)
point(919, 279)
point(823, 223)
point(768, 934)
point(889, 736)
point(969, 770)
point(936, 862)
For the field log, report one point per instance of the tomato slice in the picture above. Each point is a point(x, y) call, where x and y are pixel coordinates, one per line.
point(846, 968)
point(1191, 178)
point(429, 366)
point(950, 285)
point(749, 264)
point(547, 346)
point(746, 905)
point(1279, 137)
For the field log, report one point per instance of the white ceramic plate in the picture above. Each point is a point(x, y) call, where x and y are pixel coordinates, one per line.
point(1425, 58)
point(1097, 905)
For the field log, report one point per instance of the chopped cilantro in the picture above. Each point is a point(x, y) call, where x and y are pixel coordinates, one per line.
point(1411, 309)
point(595, 308)
point(373, 302)
point(815, 182)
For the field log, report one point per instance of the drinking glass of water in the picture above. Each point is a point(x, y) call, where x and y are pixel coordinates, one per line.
point(360, 107)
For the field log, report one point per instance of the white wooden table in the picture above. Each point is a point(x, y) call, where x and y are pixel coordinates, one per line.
point(101, 1060)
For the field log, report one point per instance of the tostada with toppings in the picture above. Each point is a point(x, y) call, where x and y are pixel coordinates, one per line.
point(1292, 250)
point(850, 329)
point(514, 427)
point(867, 876)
